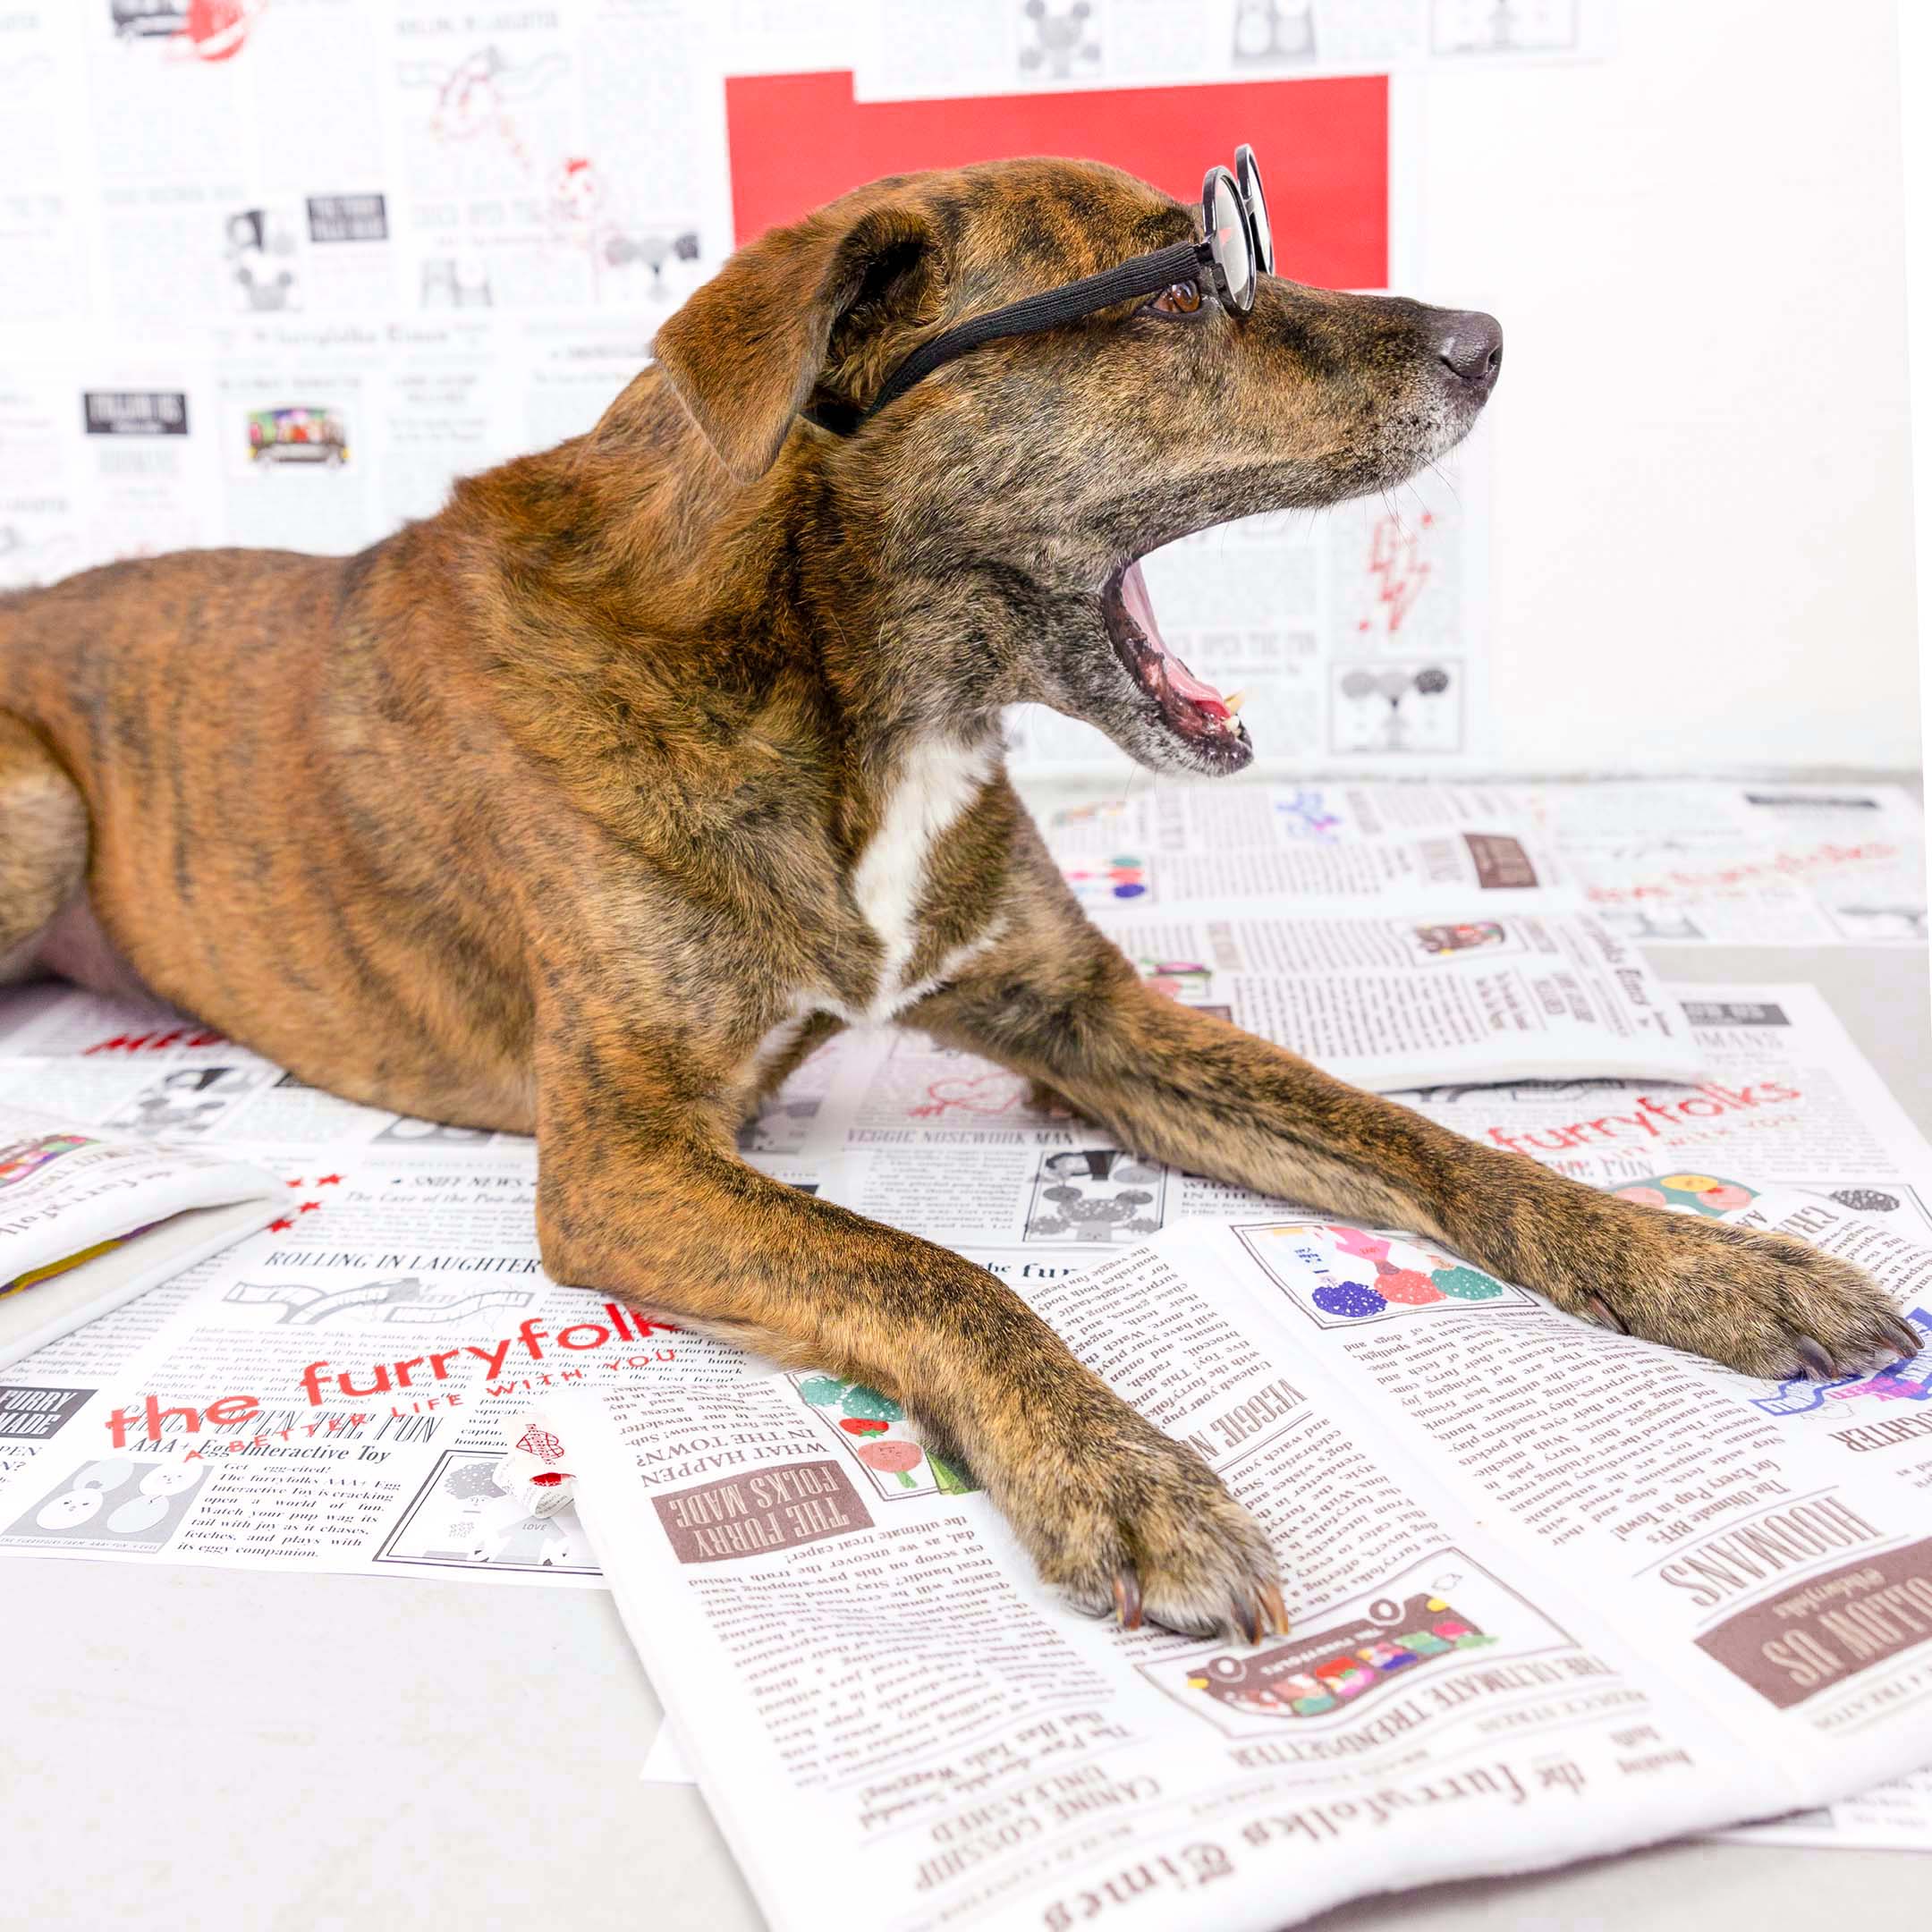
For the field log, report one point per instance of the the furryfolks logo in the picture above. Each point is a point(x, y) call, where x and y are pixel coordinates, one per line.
point(1650, 1118)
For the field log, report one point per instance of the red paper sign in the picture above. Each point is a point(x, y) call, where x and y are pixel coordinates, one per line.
point(799, 139)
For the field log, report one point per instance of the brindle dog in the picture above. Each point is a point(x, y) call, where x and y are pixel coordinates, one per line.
point(589, 806)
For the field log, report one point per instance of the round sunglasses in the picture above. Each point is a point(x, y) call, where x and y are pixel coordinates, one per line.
point(1237, 247)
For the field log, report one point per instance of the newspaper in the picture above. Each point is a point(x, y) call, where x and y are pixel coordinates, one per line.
point(1389, 1002)
point(86, 1223)
point(1556, 1593)
point(1678, 863)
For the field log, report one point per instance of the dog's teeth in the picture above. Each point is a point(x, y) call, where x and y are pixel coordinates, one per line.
point(1235, 701)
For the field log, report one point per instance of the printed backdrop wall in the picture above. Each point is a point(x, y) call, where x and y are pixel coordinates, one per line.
point(273, 271)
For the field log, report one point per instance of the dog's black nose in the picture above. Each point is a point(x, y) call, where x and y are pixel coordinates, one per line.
point(1471, 346)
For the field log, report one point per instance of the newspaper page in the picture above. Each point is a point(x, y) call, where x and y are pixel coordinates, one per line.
point(1378, 1001)
point(870, 1666)
point(1678, 863)
point(982, 46)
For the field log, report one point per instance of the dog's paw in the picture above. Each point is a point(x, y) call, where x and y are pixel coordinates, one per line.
point(1766, 1304)
point(1134, 1525)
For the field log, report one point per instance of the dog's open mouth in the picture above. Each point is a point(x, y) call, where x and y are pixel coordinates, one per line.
point(1191, 709)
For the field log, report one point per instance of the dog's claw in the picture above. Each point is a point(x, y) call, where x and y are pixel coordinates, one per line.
point(1604, 1315)
point(1277, 1611)
point(1901, 1334)
point(1248, 1619)
point(1127, 1597)
point(1818, 1366)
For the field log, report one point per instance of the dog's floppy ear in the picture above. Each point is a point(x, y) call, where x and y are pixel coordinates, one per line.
point(803, 314)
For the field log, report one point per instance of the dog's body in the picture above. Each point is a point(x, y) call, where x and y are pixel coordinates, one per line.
point(589, 806)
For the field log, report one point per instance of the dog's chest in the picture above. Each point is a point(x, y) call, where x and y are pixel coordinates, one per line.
point(928, 794)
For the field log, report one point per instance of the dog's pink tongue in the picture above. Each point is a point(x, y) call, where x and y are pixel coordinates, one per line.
point(1180, 679)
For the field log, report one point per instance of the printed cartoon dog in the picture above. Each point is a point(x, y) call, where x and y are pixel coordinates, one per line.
point(589, 806)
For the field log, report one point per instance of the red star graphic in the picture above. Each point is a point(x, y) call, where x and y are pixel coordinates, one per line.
point(297, 1183)
point(280, 1227)
point(309, 1207)
point(329, 1180)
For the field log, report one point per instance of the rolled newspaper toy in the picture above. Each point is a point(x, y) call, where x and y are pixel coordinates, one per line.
point(540, 1489)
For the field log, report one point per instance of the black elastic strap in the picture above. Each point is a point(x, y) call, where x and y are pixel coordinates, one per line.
point(1143, 275)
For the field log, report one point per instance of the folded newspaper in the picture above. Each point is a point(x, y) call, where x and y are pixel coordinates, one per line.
point(87, 1221)
point(1557, 1594)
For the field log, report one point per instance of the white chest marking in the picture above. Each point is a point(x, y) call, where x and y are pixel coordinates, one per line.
point(936, 783)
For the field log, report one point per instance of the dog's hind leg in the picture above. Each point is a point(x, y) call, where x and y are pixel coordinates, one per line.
point(42, 844)
point(636, 1196)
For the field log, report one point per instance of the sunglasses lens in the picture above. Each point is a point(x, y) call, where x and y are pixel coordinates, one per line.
point(1230, 243)
point(1249, 173)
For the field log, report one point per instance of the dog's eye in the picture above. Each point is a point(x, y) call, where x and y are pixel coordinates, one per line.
point(1178, 298)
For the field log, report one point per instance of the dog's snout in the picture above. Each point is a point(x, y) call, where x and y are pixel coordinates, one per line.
point(1471, 346)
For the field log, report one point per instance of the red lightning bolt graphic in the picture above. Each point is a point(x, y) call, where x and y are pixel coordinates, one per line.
point(1400, 571)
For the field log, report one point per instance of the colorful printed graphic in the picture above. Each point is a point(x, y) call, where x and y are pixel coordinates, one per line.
point(20, 1159)
point(193, 30)
point(871, 1428)
point(1320, 1671)
point(1339, 1277)
point(301, 433)
point(1444, 1618)
point(1439, 940)
point(1304, 814)
point(987, 1095)
point(1179, 979)
point(1689, 1193)
point(1096, 881)
point(1101, 812)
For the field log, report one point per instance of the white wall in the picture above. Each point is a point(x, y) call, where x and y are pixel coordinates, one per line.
point(1702, 550)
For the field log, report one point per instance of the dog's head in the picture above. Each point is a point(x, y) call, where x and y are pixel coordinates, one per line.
point(1002, 505)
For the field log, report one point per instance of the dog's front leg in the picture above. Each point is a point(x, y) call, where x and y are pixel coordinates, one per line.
point(639, 1195)
point(1065, 1007)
